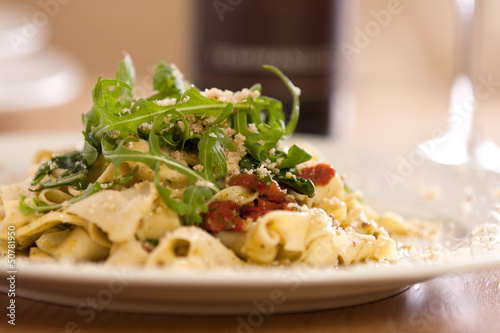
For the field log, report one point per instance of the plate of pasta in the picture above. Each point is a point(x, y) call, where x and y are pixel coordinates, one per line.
point(201, 202)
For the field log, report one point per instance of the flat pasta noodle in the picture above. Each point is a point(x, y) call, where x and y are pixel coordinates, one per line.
point(191, 247)
point(53, 196)
point(130, 252)
point(73, 244)
point(274, 230)
point(118, 213)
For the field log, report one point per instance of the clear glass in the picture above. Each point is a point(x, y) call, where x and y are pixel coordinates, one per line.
point(466, 140)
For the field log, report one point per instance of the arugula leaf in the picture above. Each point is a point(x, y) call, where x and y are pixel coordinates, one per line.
point(91, 148)
point(212, 153)
point(195, 197)
point(299, 185)
point(224, 114)
point(126, 70)
point(76, 179)
point(292, 124)
point(296, 155)
point(75, 173)
point(123, 179)
point(125, 73)
point(168, 82)
point(106, 108)
point(111, 95)
point(258, 144)
point(174, 137)
point(160, 124)
point(192, 204)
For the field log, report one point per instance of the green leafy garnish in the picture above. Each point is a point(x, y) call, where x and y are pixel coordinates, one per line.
point(125, 73)
point(193, 203)
point(185, 122)
point(71, 165)
point(212, 153)
point(299, 185)
point(292, 124)
point(168, 82)
point(295, 155)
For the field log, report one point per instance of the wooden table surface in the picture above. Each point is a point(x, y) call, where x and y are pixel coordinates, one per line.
point(457, 302)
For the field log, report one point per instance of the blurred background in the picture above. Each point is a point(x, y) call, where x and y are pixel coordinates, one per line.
point(395, 60)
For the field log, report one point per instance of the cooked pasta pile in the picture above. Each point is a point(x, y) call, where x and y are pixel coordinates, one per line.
point(190, 178)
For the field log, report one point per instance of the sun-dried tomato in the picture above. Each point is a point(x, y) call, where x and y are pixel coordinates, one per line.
point(320, 174)
point(223, 215)
point(271, 190)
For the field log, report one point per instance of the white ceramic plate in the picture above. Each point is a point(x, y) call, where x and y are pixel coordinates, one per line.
point(399, 182)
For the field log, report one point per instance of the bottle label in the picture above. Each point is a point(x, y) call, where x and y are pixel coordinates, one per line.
point(299, 60)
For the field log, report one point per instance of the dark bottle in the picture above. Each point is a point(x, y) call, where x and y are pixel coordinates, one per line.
point(234, 38)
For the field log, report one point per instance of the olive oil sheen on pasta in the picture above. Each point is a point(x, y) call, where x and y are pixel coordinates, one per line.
point(236, 37)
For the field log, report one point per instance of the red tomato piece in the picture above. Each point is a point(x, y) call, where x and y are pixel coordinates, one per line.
point(254, 211)
point(263, 206)
point(223, 215)
point(320, 174)
point(272, 191)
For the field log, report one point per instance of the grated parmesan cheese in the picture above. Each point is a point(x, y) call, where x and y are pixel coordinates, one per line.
point(252, 128)
point(262, 171)
point(166, 102)
point(205, 183)
point(146, 126)
point(230, 96)
point(233, 157)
